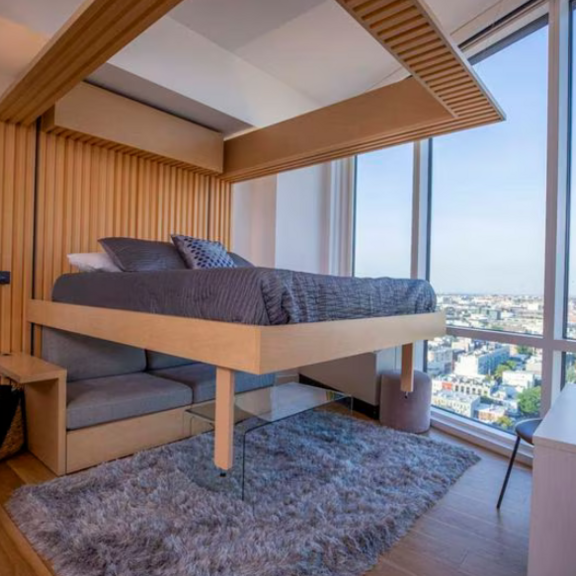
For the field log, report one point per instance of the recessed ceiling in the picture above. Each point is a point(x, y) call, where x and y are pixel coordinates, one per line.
point(233, 25)
point(234, 64)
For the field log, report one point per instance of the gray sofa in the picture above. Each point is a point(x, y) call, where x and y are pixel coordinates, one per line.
point(108, 382)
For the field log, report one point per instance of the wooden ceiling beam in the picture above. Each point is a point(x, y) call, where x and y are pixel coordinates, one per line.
point(335, 129)
point(97, 31)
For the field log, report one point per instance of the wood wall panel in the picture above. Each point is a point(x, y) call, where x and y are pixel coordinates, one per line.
point(17, 152)
point(86, 192)
point(220, 215)
point(83, 192)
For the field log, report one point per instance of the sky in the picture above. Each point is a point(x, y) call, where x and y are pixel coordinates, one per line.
point(488, 190)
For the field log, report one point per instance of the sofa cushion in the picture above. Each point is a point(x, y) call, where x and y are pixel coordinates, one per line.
point(85, 357)
point(159, 361)
point(99, 400)
point(202, 379)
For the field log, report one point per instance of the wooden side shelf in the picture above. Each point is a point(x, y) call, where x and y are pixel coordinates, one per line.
point(45, 391)
point(26, 369)
point(64, 451)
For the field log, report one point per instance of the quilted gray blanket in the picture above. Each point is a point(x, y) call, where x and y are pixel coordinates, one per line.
point(248, 295)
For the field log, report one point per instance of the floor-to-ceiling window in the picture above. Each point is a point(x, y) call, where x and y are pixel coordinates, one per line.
point(487, 243)
point(384, 212)
point(501, 233)
point(489, 199)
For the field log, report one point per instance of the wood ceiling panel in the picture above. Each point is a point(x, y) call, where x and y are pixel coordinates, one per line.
point(407, 29)
point(95, 33)
point(417, 58)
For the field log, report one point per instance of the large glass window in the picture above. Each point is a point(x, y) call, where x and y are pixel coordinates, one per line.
point(384, 212)
point(496, 384)
point(487, 244)
point(488, 200)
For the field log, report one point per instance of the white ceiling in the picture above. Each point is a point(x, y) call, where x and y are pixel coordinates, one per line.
point(232, 64)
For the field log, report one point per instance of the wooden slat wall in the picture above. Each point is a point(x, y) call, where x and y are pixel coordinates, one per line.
point(85, 192)
point(220, 216)
point(17, 152)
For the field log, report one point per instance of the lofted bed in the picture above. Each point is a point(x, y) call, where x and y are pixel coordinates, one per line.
point(120, 304)
point(102, 154)
point(231, 347)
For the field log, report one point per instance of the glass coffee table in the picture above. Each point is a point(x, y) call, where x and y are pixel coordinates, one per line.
point(252, 411)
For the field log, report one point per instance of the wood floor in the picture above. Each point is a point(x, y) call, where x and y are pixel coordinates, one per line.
point(463, 535)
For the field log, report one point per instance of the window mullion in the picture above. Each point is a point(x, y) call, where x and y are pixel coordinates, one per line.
point(420, 252)
point(556, 198)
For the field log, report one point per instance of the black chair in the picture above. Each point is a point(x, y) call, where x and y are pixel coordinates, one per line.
point(524, 431)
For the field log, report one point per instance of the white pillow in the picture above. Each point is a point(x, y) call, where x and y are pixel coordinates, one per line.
point(93, 262)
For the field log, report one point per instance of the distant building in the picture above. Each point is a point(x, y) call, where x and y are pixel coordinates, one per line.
point(491, 313)
point(490, 413)
point(481, 362)
point(473, 388)
point(534, 365)
point(521, 379)
point(462, 344)
point(440, 361)
point(437, 385)
point(455, 402)
point(504, 393)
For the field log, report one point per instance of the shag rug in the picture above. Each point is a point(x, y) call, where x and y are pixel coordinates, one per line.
point(327, 494)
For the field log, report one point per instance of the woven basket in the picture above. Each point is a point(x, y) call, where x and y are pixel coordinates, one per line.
point(13, 440)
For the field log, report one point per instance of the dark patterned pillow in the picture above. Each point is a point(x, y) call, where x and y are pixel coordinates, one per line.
point(198, 253)
point(132, 255)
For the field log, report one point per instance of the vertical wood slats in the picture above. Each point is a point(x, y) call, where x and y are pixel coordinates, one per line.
point(409, 31)
point(86, 192)
point(17, 153)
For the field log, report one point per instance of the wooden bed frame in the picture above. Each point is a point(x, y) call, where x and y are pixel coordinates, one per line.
point(232, 347)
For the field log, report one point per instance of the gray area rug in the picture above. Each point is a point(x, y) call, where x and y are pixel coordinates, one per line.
point(329, 493)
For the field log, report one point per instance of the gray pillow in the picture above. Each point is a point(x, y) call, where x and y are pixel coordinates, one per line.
point(240, 262)
point(132, 255)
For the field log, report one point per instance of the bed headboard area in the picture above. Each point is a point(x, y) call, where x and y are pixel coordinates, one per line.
point(59, 194)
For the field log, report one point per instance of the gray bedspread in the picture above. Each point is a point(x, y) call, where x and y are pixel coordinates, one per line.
point(247, 295)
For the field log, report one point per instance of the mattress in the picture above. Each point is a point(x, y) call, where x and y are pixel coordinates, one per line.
point(260, 296)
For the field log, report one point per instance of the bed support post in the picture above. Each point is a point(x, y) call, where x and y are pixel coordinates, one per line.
point(224, 424)
point(407, 378)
